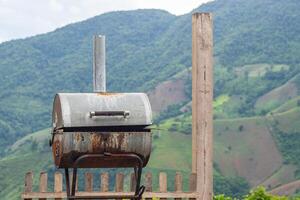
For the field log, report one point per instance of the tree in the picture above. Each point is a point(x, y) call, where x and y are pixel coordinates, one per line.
point(241, 128)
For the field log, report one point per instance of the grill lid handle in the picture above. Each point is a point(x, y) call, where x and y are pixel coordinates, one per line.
point(124, 114)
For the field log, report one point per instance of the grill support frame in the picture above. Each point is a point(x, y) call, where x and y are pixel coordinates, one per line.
point(139, 190)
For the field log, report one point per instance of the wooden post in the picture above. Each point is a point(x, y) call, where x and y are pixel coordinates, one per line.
point(193, 181)
point(28, 183)
point(58, 180)
point(148, 183)
point(202, 97)
point(104, 182)
point(119, 182)
point(178, 183)
point(43, 183)
point(163, 183)
point(88, 182)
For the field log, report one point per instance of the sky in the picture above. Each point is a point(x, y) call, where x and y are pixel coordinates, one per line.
point(23, 18)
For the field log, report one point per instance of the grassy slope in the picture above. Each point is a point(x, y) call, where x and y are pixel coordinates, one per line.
point(282, 176)
point(171, 151)
point(249, 153)
point(245, 147)
point(286, 123)
point(278, 96)
point(13, 171)
point(245, 143)
point(261, 69)
point(288, 105)
point(235, 149)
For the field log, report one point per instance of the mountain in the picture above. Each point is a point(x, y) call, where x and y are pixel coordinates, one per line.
point(144, 48)
point(34, 69)
point(257, 84)
point(47, 67)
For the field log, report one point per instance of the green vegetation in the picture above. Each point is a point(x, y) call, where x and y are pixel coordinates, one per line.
point(257, 194)
point(241, 144)
point(295, 102)
point(287, 136)
point(233, 186)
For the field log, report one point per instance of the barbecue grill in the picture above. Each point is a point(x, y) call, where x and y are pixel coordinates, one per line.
point(101, 130)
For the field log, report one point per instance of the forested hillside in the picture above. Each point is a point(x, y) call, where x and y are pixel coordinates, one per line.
point(256, 97)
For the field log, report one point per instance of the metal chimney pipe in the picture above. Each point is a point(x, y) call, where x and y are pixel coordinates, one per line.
point(99, 76)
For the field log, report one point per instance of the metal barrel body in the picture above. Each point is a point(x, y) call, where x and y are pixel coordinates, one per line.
point(101, 123)
point(68, 146)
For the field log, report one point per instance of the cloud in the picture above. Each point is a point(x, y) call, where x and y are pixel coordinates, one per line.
point(74, 10)
point(20, 19)
point(56, 6)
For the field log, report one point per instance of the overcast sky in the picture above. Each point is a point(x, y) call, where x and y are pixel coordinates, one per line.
point(22, 18)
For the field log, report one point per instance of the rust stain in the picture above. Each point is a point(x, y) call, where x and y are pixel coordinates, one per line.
point(96, 140)
point(114, 142)
point(120, 138)
point(57, 152)
point(107, 94)
point(77, 137)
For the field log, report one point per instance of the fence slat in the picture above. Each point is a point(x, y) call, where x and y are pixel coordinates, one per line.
point(28, 183)
point(148, 183)
point(43, 183)
point(58, 180)
point(104, 182)
point(132, 182)
point(163, 183)
point(193, 183)
point(119, 182)
point(59, 194)
point(88, 182)
point(178, 183)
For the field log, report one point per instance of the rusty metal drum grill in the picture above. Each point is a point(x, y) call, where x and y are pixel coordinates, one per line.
point(100, 123)
point(101, 130)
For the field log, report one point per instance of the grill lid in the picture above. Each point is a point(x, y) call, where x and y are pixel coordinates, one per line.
point(71, 110)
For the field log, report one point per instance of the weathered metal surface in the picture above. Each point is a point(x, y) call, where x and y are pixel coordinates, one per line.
point(99, 75)
point(79, 109)
point(68, 146)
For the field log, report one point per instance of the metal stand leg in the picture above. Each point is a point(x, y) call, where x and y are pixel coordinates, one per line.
point(139, 190)
point(73, 188)
point(67, 181)
point(74, 181)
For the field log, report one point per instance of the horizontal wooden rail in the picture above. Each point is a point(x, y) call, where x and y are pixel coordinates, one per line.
point(59, 194)
point(43, 195)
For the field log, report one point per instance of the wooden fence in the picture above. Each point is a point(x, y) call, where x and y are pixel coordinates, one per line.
point(59, 194)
